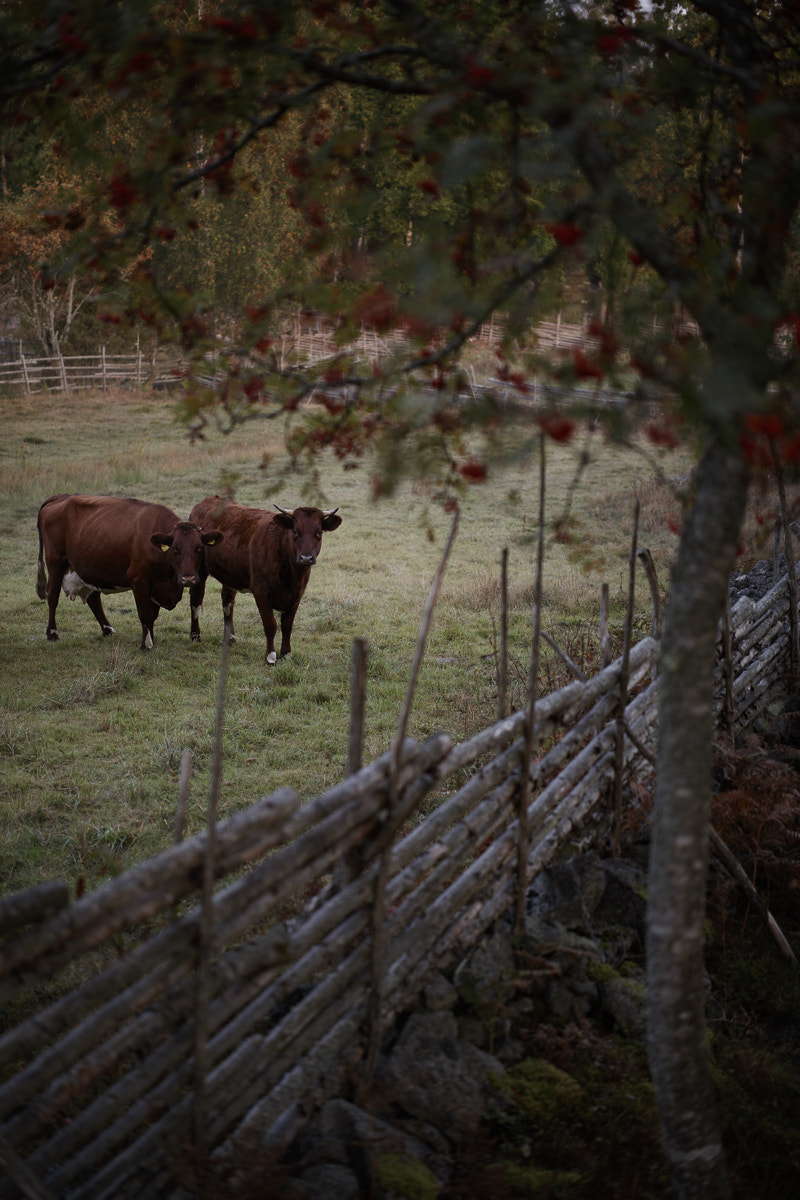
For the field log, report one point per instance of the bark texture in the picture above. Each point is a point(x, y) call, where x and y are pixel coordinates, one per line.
point(679, 850)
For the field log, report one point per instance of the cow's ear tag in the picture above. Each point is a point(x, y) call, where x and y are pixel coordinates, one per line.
point(164, 547)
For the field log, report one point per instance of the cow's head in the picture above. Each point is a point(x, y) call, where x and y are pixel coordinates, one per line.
point(307, 526)
point(186, 546)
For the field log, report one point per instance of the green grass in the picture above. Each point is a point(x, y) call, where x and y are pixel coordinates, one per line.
point(92, 729)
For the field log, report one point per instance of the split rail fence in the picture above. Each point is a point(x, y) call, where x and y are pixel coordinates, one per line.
point(155, 1013)
point(299, 344)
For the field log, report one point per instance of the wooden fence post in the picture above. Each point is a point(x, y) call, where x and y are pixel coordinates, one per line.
point(382, 876)
point(62, 371)
point(502, 664)
point(206, 931)
point(727, 664)
point(646, 559)
point(623, 685)
point(791, 573)
point(103, 365)
point(24, 371)
point(523, 825)
point(358, 688)
point(605, 638)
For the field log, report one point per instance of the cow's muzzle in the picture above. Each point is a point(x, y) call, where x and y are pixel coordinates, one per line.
point(187, 580)
point(306, 560)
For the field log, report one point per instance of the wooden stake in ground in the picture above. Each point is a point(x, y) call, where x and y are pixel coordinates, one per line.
point(358, 692)
point(379, 899)
point(623, 683)
point(206, 933)
point(791, 573)
point(530, 716)
point(606, 653)
point(502, 664)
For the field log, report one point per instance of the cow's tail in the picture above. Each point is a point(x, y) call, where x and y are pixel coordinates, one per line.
point(41, 574)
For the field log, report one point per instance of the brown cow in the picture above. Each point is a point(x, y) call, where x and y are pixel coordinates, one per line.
point(268, 554)
point(95, 544)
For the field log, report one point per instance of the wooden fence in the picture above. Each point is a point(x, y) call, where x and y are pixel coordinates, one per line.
point(299, 344)
point(155, 1011)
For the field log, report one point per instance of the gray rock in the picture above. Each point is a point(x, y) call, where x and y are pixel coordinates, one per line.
point(329, 1181)
point(437, 1078)
point(485, 979)
point(624, 999)
point(440, 994)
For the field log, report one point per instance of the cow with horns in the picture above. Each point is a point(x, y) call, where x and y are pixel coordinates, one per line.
point(96, 544)
point(268, 554)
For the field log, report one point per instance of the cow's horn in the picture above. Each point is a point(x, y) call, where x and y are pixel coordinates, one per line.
point(287, 512)
point(331, 513)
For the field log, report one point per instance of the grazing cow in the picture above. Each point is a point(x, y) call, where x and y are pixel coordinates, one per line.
point(268, 554)
point(95, 544)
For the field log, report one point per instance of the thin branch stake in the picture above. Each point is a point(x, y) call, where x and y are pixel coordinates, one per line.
point(740, 875)
point(647, 561)
point(399, 736)
point(791, 573)
point(623, 684)
point(605, 638)
point(382, 875)
point(727, 662)
point(502, 665)
point(184, 782)
point(203, 994)
point(358, 689)
point(530, 716)
point(572, 667)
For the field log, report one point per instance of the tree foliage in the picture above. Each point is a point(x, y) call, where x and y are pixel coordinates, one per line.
point(393, 164)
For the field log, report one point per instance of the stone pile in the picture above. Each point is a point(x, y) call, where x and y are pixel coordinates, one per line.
point(442, 1066)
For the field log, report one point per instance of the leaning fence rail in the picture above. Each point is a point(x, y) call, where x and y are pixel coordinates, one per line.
point(98, 1077)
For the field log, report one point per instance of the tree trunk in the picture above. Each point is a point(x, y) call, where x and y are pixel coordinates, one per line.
point(679, 850)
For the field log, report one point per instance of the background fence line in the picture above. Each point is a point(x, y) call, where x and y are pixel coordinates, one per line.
point(98, 1078)
point(303, 342)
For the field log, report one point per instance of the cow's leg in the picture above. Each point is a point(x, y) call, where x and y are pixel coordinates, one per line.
point(228, 601)
point(270, 628)
point(197, 594)
point(55, 577)
point(95, 602)
point(287, 621)
point(148, 611)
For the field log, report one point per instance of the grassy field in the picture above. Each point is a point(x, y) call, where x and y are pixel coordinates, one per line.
point(92, 729)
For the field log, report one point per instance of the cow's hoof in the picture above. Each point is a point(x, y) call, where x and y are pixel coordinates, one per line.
point(52, 636)
point(272, 658)
point(195, 637)
point(108, 630)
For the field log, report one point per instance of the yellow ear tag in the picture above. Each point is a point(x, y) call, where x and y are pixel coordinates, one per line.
point(164, 547)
